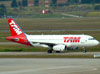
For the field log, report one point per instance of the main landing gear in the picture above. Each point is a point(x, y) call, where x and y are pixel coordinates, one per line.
point(50, 51)
point(57, 51)
point(84, 50)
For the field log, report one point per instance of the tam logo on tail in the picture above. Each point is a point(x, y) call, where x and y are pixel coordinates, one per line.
point(14, 27)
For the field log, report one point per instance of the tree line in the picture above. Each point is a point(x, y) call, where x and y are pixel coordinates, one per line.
point(3, 11)
point(83, 1)
point(23, 3)
point(69, 2)
point(16, 3)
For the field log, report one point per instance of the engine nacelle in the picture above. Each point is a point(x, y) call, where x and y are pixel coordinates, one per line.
point(59, 47)
point(72, 48)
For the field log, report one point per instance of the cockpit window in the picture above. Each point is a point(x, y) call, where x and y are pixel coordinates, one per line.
point(91, 39)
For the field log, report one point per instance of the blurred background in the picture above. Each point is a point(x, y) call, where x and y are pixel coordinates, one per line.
point(49, 8)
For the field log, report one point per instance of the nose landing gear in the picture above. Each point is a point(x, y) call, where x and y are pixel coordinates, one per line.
point(84, 50)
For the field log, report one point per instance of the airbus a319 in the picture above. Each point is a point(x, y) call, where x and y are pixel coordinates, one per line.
point(54, 42)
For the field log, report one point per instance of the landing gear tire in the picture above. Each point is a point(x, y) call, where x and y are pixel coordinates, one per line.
point(49, 51)
point(57, 51)
point(84, 50)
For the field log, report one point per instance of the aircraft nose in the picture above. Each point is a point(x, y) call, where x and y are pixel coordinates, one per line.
point(97, 42)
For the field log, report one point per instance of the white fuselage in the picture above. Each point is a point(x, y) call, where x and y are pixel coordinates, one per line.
point(68, 40)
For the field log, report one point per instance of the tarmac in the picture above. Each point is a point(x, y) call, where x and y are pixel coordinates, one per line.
point(49, 66)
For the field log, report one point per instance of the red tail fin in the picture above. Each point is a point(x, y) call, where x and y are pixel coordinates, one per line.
point(14, 28)
point(17, 34)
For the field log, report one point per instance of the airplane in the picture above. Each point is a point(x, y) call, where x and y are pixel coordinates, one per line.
point(56, 43)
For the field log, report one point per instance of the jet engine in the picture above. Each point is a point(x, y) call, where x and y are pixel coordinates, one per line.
point(72, 48)
point(59, 47)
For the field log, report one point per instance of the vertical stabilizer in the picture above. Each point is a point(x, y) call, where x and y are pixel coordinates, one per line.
point(17, 35)
point(14, 28)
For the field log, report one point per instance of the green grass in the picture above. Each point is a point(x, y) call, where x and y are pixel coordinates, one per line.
point(7, 3)
point(53, 23)
point(46, 56)
point(23, 48)
point(95, 14)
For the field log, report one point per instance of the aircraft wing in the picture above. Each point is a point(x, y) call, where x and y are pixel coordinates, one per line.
point(49, 44)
